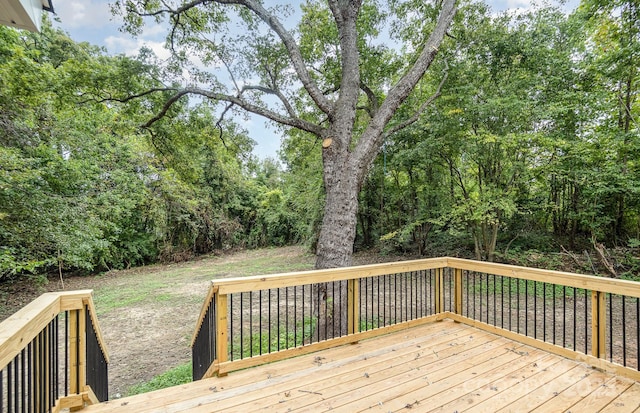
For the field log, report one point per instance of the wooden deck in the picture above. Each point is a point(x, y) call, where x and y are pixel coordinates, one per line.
point(443, 367)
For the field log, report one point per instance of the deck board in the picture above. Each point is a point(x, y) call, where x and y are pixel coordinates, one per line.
point(443, 366)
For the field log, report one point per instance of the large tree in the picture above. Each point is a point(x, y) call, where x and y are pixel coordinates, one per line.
point(331, 77)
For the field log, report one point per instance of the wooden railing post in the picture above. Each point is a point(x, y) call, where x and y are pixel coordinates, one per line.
point(439, 293)
point(77, 351)
point(222, 345)
point(458, 290)
point(598, 324)
point(353, 306)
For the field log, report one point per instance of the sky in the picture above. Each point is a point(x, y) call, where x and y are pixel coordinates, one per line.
point(91, 21)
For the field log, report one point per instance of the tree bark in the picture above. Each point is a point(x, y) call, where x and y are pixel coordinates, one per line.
point(338, 232)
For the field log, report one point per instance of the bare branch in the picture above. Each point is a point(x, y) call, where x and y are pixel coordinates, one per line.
point(165, 108)
point(233, 101)
point(128, 98)
point(275, 92)
point(421, 109)
point(373, 99)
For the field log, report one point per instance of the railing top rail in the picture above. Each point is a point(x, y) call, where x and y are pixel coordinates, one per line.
point(588, 282)
point(17, 331)
point(263, 282)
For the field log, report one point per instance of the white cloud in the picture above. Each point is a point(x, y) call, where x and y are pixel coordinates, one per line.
point(518, 4)
point(130, 46)
point(84, 14)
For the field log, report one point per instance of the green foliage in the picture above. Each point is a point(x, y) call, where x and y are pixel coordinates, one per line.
point(263, 342)
point(176, 376)
point(526, 148)
point(82, 189)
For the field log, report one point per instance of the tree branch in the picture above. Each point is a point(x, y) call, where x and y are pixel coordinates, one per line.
point(421, 109)
point(276, 92)
point(234, 101)
point(373, 99)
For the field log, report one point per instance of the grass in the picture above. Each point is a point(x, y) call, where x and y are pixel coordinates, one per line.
point(155, 283)
point(174, 377)
point(142, 290)
point(517, 285)
point(258, 343)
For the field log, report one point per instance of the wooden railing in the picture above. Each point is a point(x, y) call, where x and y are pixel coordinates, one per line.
point(254, 320)
point(52, 355)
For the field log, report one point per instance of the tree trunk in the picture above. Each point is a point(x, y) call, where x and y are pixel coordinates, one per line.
point(338, 231)
point(337, 235)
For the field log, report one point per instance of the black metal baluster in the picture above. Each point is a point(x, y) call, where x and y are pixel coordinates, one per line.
point(564, 316)
point(318, 311)
point(23, 379)
point(421, 293)
point(41, 377)
point(278, 319)
point(231, 325)
point(624, 331)
point(302, 318)
point(50, 392)
point(575, 312)
point(518, 305)
point(554, 313)
point(510, 306)
point(9, 386)
point(526, 307)
point(30, 376)
point(260, 322)
point(66, 354)
point(344, 288)
point(57, 361)
point(637, 333)
point(399, 302)
point(366, 303)
point(544, 311)
point(250, 323)
point(378, 303)
point(535, 309)
point(241, 326)
point(502, 302)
